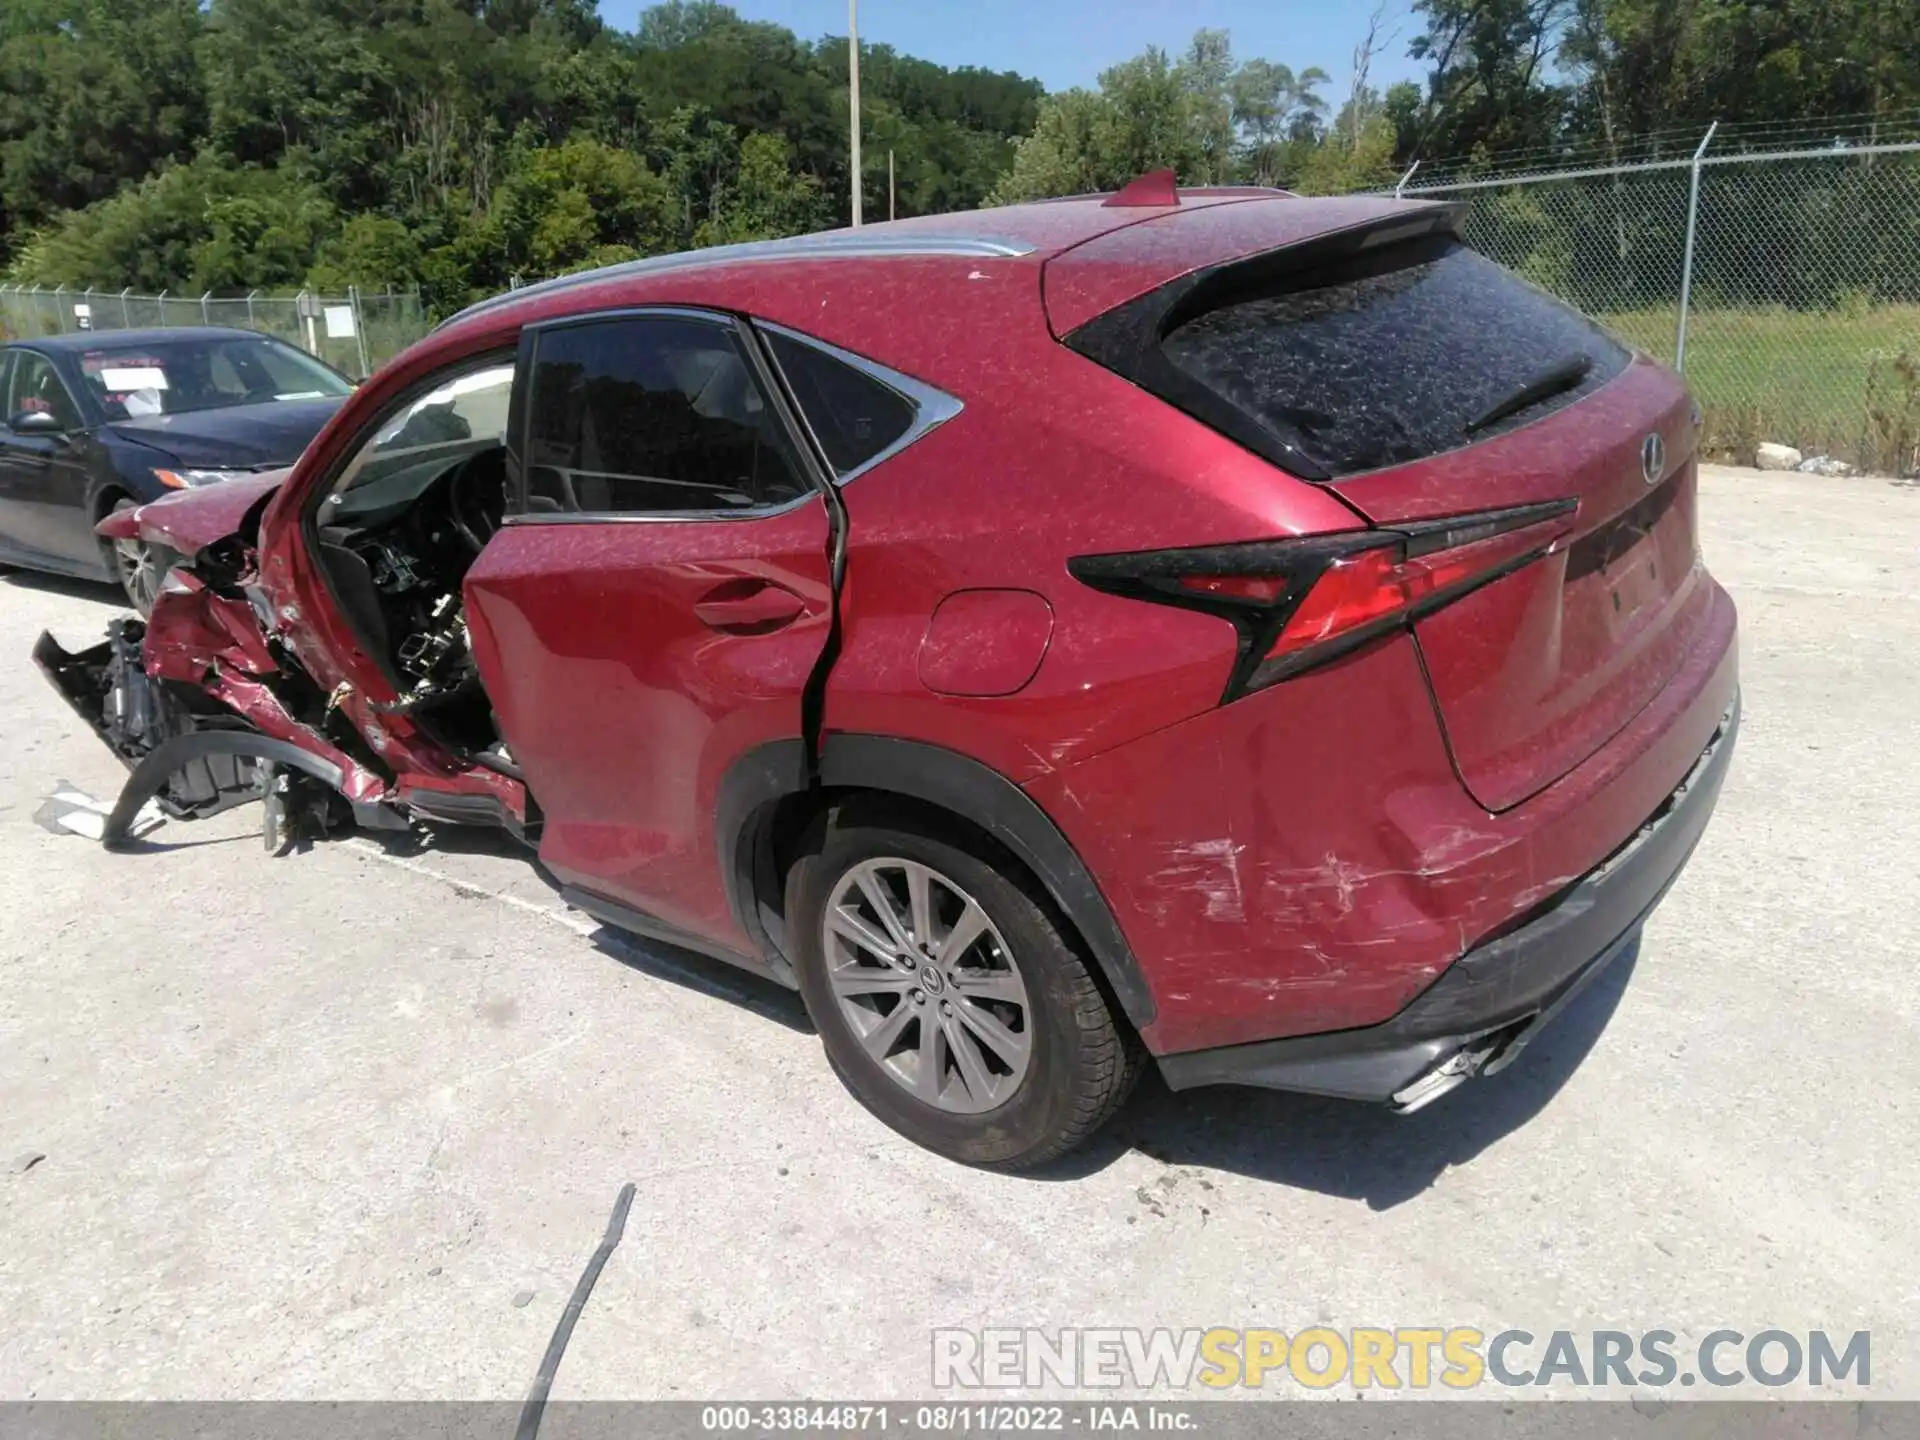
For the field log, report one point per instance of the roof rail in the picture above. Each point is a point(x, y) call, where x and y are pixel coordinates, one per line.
point(869, 243)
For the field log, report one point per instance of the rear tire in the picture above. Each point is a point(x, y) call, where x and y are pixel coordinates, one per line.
point(998, 1052)
point(139, 567)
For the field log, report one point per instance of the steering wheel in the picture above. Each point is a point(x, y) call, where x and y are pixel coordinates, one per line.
point(468, 513)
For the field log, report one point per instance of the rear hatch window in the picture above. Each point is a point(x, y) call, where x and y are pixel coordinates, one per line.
point(1393, 355)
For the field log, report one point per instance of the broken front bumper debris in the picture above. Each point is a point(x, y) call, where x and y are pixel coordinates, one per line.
point(191, 760)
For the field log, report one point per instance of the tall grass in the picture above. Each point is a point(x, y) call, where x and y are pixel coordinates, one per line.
point(1843, 382)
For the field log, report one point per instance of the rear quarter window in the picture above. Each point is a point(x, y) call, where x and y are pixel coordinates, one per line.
point(854, 415)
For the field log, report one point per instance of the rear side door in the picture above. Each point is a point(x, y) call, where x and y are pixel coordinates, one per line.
point(657, 601)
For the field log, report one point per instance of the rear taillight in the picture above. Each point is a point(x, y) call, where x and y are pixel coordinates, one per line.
point(1299, 603)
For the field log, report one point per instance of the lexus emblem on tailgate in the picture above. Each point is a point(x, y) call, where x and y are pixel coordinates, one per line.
point(1653, 458)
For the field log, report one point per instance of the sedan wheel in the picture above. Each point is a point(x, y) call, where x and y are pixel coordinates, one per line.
point(140, 568)
point(928, 984)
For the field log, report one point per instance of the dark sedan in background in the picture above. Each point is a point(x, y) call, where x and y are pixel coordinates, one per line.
point(106, 420)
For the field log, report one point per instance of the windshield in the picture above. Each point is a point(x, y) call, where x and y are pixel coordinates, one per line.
point(172, 377)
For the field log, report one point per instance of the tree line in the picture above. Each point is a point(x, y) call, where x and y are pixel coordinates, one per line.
point(456, 144)
point(452, 144)
point(1549, 82)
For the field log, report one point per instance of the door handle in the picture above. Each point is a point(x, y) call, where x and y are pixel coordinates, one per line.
point(748, 607)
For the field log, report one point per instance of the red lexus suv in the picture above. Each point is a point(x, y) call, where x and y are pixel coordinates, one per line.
point(1253, 634)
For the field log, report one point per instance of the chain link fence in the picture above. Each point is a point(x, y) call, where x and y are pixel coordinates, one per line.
point(355, 333)
point(1785, 283)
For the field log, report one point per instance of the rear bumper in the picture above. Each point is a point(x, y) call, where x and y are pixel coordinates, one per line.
point(1486, 1006)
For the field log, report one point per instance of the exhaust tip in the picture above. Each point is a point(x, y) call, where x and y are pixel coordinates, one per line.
point(1449, 1074)
point(1481, 1055)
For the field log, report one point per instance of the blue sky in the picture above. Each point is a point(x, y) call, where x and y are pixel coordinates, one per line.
point(1069, 42)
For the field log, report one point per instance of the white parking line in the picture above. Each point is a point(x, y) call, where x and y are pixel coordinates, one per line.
point(581, 925)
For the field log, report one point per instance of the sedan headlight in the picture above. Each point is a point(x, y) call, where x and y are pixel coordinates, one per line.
point(189, 479)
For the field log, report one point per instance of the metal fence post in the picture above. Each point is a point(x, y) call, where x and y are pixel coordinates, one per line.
point(60, 306)
point(205, 318)
point(1402, 185)
point(126, 315)
point(1686, 259)
point(359, 329)
point(250, 295)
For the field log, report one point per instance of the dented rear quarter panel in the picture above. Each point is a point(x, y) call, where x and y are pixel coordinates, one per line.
point(1305, 859)
point(1051, 456)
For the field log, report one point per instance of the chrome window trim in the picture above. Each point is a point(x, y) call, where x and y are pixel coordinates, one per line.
point(827, 244)
point(932, 407)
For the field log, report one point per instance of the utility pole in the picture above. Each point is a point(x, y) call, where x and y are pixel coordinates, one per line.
point(853, 97)
point(889, 184)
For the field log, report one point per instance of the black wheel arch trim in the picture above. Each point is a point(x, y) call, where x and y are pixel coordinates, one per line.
point(150, 776)
point(750, 790)
point(936, 776)
point(106, 495)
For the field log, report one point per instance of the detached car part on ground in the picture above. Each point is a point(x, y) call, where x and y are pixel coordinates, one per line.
point(1253, 633)
point(107, 420)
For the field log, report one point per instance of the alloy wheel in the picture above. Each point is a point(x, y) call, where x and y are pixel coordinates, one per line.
point(931, 990)
point(139, 573)
point(138, 567)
